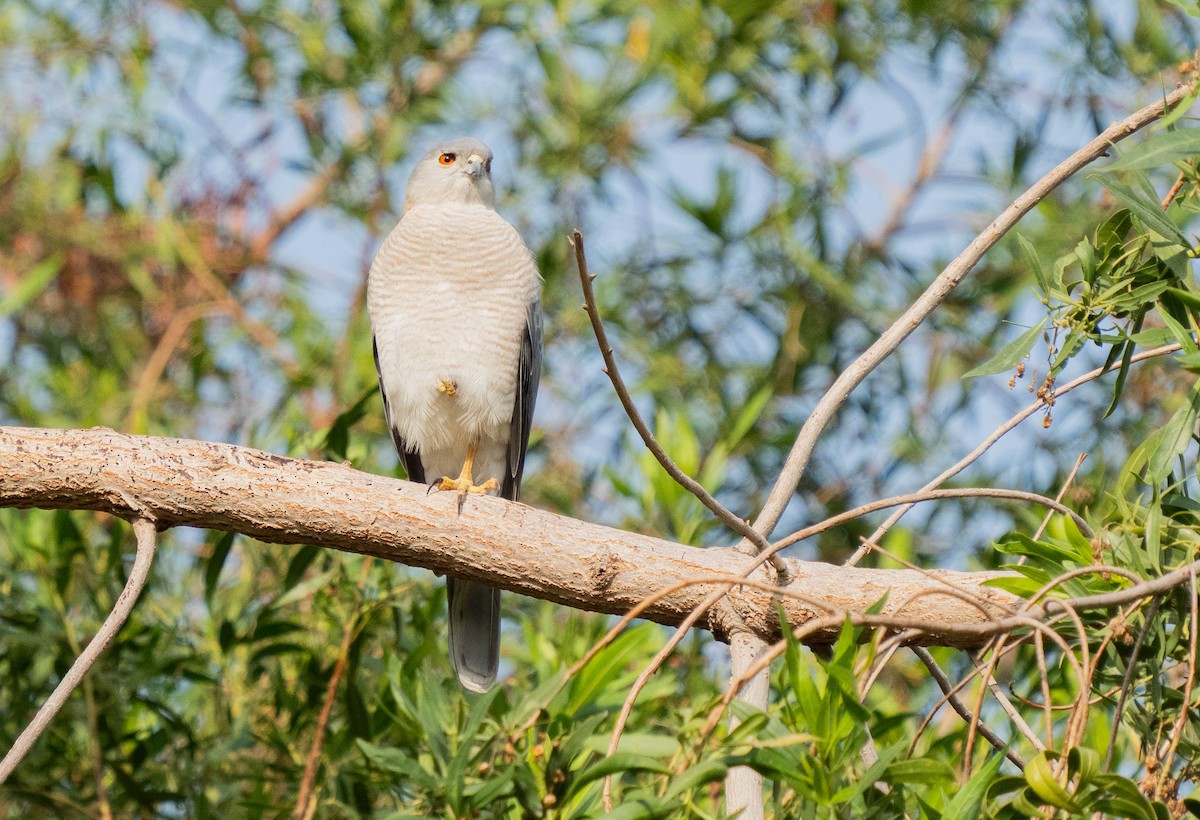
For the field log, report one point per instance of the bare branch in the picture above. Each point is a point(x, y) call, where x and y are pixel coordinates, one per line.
point(1161, 785)
point(1127, 678)
point(996, 435)
point(932, 495)
point(1059, 497)
point(681, 478)
point(939, 289)
point(960, 708)
point(306, 805)
point(145, 532)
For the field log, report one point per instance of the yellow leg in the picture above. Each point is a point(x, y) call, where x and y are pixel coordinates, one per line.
point(465, 483)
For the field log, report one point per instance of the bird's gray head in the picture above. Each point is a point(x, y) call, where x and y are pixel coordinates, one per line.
point(458, 171)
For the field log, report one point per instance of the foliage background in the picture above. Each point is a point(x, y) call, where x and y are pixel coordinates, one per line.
point(190, 195)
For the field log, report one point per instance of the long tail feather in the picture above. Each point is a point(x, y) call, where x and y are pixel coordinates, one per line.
point(474, 632)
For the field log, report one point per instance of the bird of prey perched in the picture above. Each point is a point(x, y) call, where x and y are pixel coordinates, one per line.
point(454, 297)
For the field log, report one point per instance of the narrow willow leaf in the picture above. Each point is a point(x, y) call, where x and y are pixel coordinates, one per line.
point(616, 764)
point(1008, 356)
point(215, 563)
point(1035, 263)
point(31, 285)
point(1160, 149)
point(1122, 375)
point(1168, 442)
point(1187, 7)
point(1146, 209)
point(966, 804)
point(1178, 332)
point(303, 590)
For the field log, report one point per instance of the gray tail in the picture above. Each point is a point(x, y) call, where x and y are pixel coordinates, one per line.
point(474, 632)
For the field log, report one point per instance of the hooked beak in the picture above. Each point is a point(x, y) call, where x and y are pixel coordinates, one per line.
point(474, 167)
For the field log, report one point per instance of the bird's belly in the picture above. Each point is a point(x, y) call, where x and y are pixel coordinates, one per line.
point(451, 370)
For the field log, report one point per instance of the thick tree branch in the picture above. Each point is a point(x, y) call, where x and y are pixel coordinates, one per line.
point(179, 482)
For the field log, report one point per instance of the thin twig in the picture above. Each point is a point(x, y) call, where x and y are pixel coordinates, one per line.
point(1039, 629)
point(999, 433)
point(960, 708)
point(1185, 704)
point(694, 487)
point(1127, 678)
point(146, 536)
point(305, 807)
point(966, 595)
point(954, 690)
point(143, 389)
point(1031, 618)
point(649, 601)
point(713, 598)
point(886, 651)
point(1173, 191)
point(203, 273)
point(934, 295)
point(1013, 714)
point(1062, 492)
point(1044, 682)
point(934, 495)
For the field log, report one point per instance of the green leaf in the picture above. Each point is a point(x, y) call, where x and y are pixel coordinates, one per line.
point(648, 743)
point(1009, 356)
point(616, 764)
point(876, 772)
point(748, 415)
point(643, 807)
point(1039, 774)
point(1160, 149)
point(1126, 351)
point(1123, 799)
point(1179, 333)
point(1183, 106)
point(1083, 763)
point(922, 770)
point(299, 564)
point(214, 564)
point(1153, 529)
point(1168, 442)
point(1020, 544)
point(1187, 7)
point(303, 590)
point(337, 437)
point(394, 760)
point(601, 670)
point(966, 804)
point(1035, 263)
point(703, 773)
point(1146, 209)
point(31, 284)
point(1154, 337)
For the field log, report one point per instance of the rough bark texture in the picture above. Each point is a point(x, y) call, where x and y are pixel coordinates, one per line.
point(180, 482)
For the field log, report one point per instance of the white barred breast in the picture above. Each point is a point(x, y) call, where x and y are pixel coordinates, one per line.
point(448, 297)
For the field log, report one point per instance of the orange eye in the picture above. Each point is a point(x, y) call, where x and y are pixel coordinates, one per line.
point(447, 159)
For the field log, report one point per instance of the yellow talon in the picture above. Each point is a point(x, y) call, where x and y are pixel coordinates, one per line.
point(449, 387)
point(465, 484)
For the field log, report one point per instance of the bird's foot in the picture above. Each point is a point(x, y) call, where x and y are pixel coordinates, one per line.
point(463, 485)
